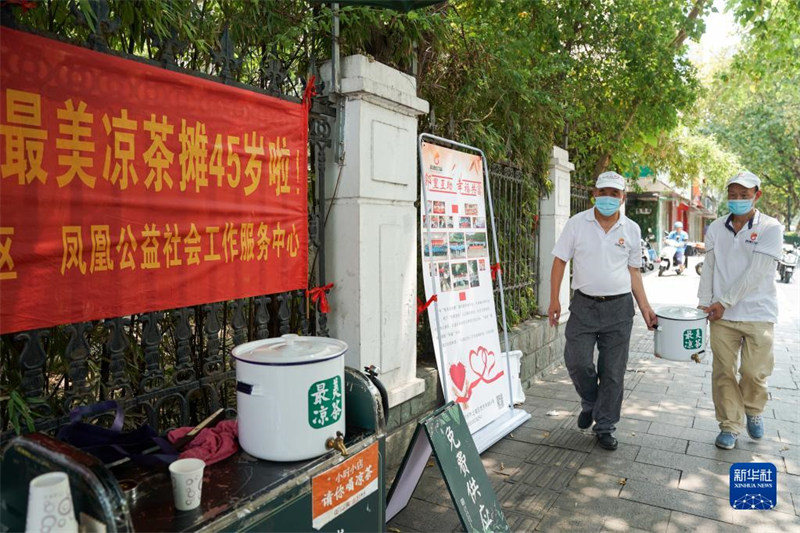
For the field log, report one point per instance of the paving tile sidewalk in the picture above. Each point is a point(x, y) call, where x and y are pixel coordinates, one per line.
point(667, 475)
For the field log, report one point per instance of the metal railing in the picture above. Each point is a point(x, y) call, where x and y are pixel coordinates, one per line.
point(168, 368)
point(516, 208)
point(579, 198)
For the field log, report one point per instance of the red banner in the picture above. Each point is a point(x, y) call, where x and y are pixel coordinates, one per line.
point(129, 188)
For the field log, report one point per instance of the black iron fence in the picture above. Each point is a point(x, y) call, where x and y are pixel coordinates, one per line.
point(579, 198)
point(515, 195)
point(173, 367)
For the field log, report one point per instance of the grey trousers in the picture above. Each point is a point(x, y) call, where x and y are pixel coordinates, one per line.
point(608, 325)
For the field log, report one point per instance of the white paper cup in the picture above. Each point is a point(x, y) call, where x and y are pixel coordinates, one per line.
point(187, 482)
point(50, 505)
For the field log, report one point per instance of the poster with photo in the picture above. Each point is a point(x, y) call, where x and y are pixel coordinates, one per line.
point(456, 256)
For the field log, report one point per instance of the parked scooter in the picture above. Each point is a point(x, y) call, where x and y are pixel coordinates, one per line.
point(647, 256)
point(668, 258)
point(699, 249)
point(787, 263)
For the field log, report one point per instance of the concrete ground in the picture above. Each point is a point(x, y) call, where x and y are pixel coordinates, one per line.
point(667, 475)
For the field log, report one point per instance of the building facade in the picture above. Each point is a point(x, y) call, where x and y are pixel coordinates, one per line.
point(656, 205)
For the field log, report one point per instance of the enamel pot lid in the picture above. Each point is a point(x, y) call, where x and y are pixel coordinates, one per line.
point(289, 349)
point(680, 312)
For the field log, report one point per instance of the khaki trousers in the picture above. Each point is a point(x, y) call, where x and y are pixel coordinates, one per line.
point(733, 398)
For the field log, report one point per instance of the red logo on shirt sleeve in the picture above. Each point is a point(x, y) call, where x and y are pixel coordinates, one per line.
point(753, 236)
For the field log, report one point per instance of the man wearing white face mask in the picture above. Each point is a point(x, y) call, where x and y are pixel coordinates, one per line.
point(737, 290)
point(604, 248)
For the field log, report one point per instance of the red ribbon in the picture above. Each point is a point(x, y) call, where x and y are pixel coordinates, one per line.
point(320, 294)
point(495, 269)
point(310, 92)
point(421, 307)
point(24, 4)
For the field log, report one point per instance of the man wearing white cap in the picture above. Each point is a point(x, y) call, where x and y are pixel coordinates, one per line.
point(737, 290)
point(681, 238)
point(604, 247)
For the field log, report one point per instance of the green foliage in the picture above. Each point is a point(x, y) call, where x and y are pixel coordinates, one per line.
point(19, 412)
point(688, 155)
point(628, 79)
point(290, 31)
point(516, 77)
point(748, 116)
point(753, 106)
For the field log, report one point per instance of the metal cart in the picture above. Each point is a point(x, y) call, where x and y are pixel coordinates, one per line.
point(241, 493)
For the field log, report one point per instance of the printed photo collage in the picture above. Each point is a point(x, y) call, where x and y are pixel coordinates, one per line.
point(457, 248)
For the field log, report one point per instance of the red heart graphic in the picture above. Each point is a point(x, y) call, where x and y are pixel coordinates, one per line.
point(458, 373)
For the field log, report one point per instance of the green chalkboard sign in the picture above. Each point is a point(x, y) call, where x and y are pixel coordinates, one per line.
point(446, 434)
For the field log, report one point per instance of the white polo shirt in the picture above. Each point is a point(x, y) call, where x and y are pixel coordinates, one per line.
point(732, 255)
point(600, 260)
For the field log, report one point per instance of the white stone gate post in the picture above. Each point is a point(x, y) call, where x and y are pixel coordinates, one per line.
point(554, 211)
point(371, 233)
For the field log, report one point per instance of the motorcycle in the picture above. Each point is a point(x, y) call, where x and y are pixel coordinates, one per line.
point(647, 256)
point(787, 263)
point(699, 248)
point(668, 258)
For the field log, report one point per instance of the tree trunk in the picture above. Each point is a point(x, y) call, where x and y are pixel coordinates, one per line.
point(788, 213)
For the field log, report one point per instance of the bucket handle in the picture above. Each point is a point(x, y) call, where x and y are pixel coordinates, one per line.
point(247, 388)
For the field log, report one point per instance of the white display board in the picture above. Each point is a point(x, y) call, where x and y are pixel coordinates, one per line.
point(457, 268)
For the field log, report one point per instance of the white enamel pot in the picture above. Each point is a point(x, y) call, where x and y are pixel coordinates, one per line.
point(681, 334)
point(290, 396)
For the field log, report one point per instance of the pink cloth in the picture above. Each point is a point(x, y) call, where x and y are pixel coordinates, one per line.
point(212, 445)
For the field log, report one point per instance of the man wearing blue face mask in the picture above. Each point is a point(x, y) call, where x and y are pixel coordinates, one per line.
point(604, 247)
point(737, 290)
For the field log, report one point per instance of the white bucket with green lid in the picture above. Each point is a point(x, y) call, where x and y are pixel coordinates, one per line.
point(681, 334)
point(289, 395)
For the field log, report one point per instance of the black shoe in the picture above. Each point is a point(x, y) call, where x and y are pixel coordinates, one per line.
point(585, 419)
point(607, 441)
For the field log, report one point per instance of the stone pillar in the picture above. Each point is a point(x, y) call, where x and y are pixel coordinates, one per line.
point(371, 234)
point(553, 214)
